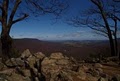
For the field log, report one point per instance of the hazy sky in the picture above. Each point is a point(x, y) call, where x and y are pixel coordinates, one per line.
point(45, 28)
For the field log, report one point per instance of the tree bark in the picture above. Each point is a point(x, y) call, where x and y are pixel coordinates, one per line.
point(103, 14)
point(112, 46)
point(6, 41)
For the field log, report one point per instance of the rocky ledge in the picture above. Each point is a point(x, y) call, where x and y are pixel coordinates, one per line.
point(56, 67)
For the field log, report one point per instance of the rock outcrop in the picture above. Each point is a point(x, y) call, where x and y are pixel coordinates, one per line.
point(56, 67)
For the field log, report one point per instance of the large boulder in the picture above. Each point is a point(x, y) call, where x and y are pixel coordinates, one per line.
point(3, 77)
point(26, 72)
point(26, 54)
point(1, 66)
point(5, 74)
point(62, 62)
point(17, 77)
point(116, 77)
point(31, 61)
point(91, 78)
point(39, 55)
point(47, 61)
point(56, 56)
point(15, 62)
point(102, 79)
point(98, 65)
point(58, 67)
point(82, 75)
point(93, 72)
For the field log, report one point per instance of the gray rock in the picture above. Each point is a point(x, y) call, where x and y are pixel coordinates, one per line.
point(15, 77)
point(91, 78)
point(100, 70)
point(83, 68)
point(3, 77)
point(62, 62)
point(93, 72)
point(26, 54)
point(19, 62)
point(98, 65)
point(114, 58)
point(11, 62)
point(1, 66)
point(7, 72)
point(47, 61)
point(61, 76)
point(116, 77)
point(82, 75)
point(102, 79)
point(31, 61)
point(57, 56)
point(14, 62)
point(39, 55)
point(112, 63)
point(26, 73)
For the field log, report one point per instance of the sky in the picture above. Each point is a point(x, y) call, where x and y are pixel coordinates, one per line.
point(46, 27)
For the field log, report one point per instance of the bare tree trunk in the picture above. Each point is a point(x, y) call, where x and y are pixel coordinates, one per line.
point(119, 56)
point(6, 41)
point(115, 37)
point(112, 46)
point(116, 46)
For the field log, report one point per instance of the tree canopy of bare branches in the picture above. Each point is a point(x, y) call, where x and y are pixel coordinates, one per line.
point(13, 11)
point(102, 17)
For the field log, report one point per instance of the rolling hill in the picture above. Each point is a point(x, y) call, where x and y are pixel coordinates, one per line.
point(77, 49)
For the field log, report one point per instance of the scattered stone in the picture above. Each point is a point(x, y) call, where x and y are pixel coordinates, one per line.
point(56, 67)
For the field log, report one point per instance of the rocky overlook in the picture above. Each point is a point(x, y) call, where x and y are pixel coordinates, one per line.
point(57, 67)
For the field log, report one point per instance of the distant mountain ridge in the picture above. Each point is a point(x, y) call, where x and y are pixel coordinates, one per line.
point(77, 49)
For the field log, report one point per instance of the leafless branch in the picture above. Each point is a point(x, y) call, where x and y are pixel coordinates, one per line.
point(116, 0)
point(55, 6)
point(20, 19)
point(1, 5)
point(98, 29)
point(14, 11)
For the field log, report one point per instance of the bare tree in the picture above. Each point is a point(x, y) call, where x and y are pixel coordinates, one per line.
point(102, 17)
point(116, 0)
point(13, 11)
